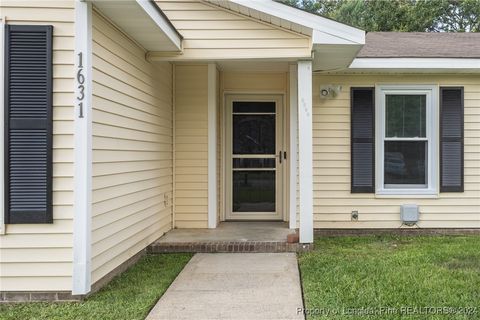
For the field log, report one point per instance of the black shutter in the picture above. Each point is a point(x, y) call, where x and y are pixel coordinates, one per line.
point(28, 124)
point(362, 140)
point(451, 139)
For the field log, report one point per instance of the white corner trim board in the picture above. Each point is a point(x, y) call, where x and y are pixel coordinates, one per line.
point(293, 146)
point(212, 145)
point(83, 149)
point(305, 150)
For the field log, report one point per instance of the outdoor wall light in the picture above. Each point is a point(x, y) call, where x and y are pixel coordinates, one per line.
point(329, 91)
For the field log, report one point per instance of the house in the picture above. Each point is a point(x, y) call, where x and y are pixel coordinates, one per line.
point(126, 119)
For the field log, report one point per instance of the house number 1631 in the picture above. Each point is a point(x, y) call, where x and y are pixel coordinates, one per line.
point(81, 87)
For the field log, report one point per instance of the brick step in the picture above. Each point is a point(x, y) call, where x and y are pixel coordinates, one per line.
point(228, 246)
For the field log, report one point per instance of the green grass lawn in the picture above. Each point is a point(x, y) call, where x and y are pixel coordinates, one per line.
point(346, 274)
point(129, 296)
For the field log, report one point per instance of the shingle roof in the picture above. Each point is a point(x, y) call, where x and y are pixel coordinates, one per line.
point(421, 45)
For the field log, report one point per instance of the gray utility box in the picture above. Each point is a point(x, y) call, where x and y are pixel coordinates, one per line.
point(409, 213)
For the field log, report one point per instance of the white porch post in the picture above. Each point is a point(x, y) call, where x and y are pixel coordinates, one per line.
point(212, 145)
point(305, 148)
point(293, 88)
point(82, 231)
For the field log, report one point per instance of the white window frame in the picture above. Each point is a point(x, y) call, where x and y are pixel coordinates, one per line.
point(431, 92)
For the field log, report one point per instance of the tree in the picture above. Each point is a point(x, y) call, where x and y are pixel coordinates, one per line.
point(460, 16)
point(399, 15)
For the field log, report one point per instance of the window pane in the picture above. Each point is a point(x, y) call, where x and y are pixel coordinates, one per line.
point(405, 116)
point(406, 162)
point(253, 107)
point(253, 191)
point(254, 134)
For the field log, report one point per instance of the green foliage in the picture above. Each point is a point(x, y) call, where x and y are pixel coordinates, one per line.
point(399, 15)
point(374, 272)
point(129, 296)
point(459, 16)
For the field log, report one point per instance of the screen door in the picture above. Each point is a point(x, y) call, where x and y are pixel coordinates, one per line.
point(255, 157)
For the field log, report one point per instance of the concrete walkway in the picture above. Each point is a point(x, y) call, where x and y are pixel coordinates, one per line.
point(234, 286)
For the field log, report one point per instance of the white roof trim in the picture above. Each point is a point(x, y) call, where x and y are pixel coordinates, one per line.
point(322, 28)
point(411, 64)
point(143, 21)
point(162, 22)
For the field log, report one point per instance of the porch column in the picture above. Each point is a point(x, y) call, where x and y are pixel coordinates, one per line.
point(212, 145)
point(293, 87)
point(305, 150)
point(82, 222)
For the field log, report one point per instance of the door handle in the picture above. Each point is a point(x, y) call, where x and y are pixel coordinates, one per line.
point(280, 156)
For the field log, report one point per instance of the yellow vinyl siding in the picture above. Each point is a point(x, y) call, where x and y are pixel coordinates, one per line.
point(255, 82)
point(132, 148)
point(333, 201)
point(212, 32)
point(191, 146)
point(38, 257)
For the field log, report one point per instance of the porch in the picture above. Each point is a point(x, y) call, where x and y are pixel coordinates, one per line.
point(172, 97)
point(230, 237)
point(235, 145)
point(214, 88)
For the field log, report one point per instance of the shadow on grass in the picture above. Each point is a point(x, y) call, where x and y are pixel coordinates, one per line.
point(130, 296)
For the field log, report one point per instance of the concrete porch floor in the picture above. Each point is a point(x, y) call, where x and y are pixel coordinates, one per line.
point(230, 237)
point(232, 231)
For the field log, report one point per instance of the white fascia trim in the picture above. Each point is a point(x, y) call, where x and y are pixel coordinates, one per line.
point(162, 22)
point(309, 20)
point(2, 115)
point(305, 150)
point(293, 146)
point(320, 38)
point(82, 229)
point(212, 145)
point(415, 63)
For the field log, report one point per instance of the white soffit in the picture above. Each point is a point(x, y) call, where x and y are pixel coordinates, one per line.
point(144, 22)
point(331, 57)
point(415, 65)
point(335, 44)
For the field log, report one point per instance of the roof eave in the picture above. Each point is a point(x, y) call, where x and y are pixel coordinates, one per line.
point(143, 21)
point(157, 15)
point(314, 22)
point(415, 65)
point(334, 44)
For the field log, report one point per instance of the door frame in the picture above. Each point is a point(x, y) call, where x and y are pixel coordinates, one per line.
point(281, 141)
